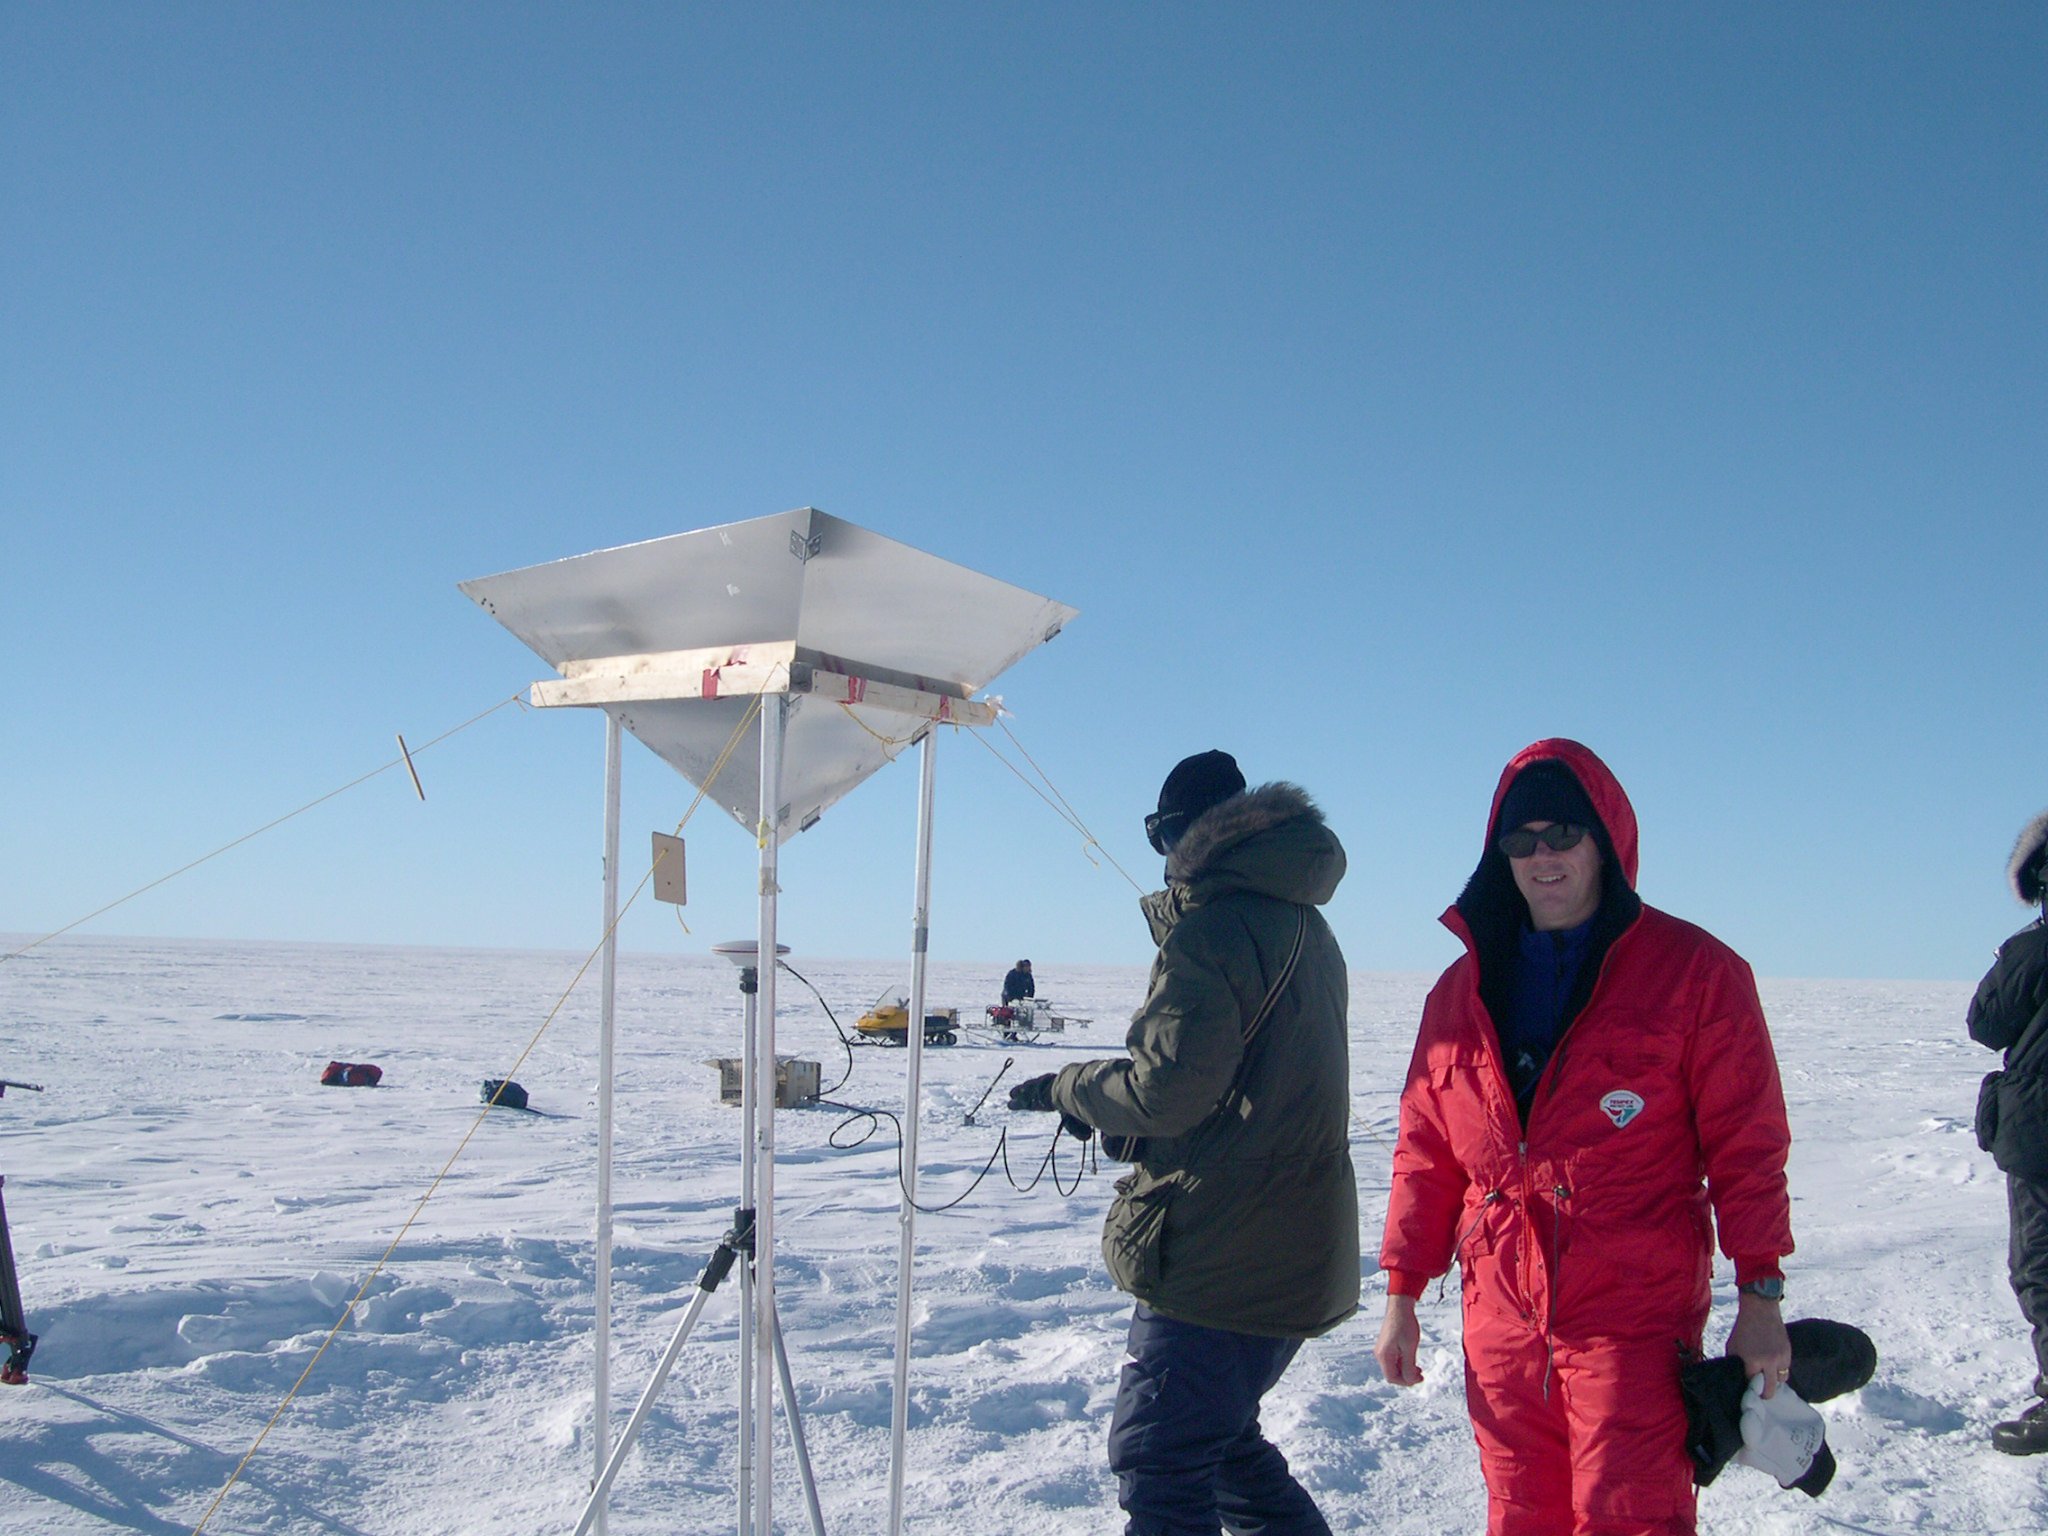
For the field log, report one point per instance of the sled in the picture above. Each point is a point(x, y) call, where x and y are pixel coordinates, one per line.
point(1027, 1018)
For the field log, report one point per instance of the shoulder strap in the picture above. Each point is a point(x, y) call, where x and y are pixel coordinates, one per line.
point(1132, 1148)
point(1286, 975)
point(1251, 1030)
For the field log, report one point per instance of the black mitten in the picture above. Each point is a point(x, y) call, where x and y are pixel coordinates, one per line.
point(1034, 1093)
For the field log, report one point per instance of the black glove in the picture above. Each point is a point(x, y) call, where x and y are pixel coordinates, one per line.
point(1034, 1093)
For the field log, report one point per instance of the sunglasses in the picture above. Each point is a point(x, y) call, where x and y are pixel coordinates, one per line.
point(1163, 830)
point(1558, 836)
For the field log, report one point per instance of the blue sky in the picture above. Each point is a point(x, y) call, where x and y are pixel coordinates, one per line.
point(1387, 386)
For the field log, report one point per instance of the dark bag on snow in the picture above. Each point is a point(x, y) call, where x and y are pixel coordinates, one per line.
point(351, 1074)
point(502, 1092)
point(2012, 1122)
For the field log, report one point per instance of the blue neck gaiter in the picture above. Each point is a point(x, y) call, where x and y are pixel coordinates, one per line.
point(1546, 969)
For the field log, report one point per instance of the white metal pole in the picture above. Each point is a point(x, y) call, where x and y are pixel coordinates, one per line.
point(913, 1101)
point(774, 721)
point(601, 1400)
point(749, 983)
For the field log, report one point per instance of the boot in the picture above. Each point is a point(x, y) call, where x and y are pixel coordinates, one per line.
point(2026, 1435)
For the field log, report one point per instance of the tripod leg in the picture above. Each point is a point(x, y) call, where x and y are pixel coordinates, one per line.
point(739, 1240)
point(632, 1429)
point(13, 1324)
point(796, 1431)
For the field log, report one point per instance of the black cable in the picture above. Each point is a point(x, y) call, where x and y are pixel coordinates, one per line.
point(874, 1117)
point(1008, 1062)
point(844, 1042)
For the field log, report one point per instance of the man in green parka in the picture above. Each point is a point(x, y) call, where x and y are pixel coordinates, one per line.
point(1236, 1232)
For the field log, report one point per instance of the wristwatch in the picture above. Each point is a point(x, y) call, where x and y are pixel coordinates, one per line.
point(1772, 1289)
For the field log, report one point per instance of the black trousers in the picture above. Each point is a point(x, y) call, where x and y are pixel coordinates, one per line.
point(2026, 1259)
point(1185, 1442)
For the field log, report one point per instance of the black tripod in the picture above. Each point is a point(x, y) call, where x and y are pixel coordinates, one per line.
point(13, 1325)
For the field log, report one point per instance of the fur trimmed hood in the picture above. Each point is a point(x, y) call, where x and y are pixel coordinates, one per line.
point(2025, 870)
point(1230, 822)
point(1271, 841)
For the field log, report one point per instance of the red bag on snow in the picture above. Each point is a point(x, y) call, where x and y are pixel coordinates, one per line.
point(351, 1074)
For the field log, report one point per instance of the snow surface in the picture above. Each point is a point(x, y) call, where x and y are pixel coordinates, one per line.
point(191, 1210)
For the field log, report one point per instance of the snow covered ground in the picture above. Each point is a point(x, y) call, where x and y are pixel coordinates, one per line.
point(190, 1211)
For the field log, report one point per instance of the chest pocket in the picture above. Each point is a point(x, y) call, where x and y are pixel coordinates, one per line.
point(1478, 1118)
point(1619, 1097)
point(1624, 1128)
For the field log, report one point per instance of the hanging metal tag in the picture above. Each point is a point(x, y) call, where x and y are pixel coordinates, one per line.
point(668, 870)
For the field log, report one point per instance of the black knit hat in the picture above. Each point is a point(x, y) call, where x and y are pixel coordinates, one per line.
point(1546, 790)
point(1196, 783)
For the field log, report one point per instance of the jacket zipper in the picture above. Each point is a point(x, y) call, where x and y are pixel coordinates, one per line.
point(1559, 1234)
point(1554, 1068)
point(1552, 1071)
point(1545, 1087)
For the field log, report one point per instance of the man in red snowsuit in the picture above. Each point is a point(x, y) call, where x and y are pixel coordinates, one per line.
point(1591, 1080)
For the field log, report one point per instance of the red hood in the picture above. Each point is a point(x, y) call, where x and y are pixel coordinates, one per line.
point(1595, 778)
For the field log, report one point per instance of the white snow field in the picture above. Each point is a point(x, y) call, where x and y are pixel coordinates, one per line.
point(191, 1209)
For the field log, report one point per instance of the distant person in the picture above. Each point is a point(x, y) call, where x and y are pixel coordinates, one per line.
point(2010, 1014)
point(1591, 1080)
point(1018, 983)
point(1237, 1231)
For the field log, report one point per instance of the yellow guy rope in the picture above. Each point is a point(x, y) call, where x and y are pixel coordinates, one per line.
point(1061, 808)
point(280, 821)
point(886, 741)
point(1056, 800)
point(753, 709)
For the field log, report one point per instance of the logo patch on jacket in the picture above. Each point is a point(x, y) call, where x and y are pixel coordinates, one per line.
point(1621, 1106)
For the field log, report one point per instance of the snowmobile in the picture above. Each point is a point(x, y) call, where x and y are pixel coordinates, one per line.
point(887, 1022)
